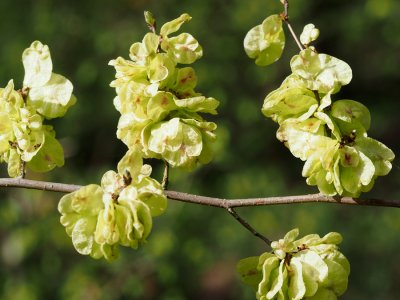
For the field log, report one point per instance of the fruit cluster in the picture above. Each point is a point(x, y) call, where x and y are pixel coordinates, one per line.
point(308, 268)
point(119, 212)
point(160, 110)
point(331, 137)
point(24, 140)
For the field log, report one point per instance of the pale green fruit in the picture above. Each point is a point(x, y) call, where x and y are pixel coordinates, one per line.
point(150, 192)
point(174, 25)
point(150, 44)
point(185, 82)
point(353, 179)
point(285, 245)
point(298, 269)
point(50, 155)
point(14, 162)
point(265, 42)
point(37, 64)
point(249, 271)
point(330, 123)
point(321, 72)
point(277, 283)
point(28, 142)
point(310, 33)
point(207, 152)
point(380, 155)
point(325, 102)
point(160, 105)
point(285, 103)
point(82, 235)
point(338, 169)
point(297, 287)
point(10, 113)
point(154, 95)
point(127, 70)
point(140, 213)
point(349, 157)
point(313, 260)
point(337, 278)
point(106, 231)
point(118, 213)
point(112, 184)
point(79, 212)
point(124, 225)
point(184, 48)
point(323, 294)
point(198, 104)
point(139, 52)
point(131, 130)
point(269, 277)
point(131, 164)
point(54, 98)
point(160, 67)
point(304, 138)
point(351, 116)
point(6, 132)
point(23, 134)
point(147, 190)
point(49, 93)
point(319, 178)
point(132, 97)
point(178, 143)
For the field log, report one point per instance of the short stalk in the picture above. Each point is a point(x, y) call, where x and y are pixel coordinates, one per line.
point(165, 179)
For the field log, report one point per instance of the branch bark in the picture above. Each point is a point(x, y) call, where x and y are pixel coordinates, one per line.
point(212, 201)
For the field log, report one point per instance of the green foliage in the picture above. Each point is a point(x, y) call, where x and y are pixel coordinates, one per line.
point(49, 93)
point(308, 268)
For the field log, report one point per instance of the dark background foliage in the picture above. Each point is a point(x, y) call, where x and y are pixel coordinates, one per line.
point(193, 250)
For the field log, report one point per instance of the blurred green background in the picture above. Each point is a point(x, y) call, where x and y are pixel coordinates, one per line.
point(192, 251)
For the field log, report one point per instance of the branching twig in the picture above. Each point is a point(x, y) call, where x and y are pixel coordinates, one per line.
point(211, 201)
point(247, 226)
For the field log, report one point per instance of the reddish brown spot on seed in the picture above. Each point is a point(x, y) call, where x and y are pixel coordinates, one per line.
point(164, 101)
point(347, 158)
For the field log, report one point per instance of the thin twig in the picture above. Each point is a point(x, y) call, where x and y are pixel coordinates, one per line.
point(285, 18)
point(212, 201)
point(247, 226)
point(22, 171)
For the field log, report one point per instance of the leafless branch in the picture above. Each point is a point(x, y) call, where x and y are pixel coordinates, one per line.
point(212, 201)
